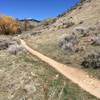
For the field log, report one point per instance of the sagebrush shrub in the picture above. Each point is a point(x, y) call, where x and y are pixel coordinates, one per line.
point(69, 42)
point(91, 61)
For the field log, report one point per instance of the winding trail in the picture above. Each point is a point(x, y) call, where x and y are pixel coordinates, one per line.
point(78, 76)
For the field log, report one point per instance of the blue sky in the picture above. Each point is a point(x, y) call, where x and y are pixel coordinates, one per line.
point(37, 9)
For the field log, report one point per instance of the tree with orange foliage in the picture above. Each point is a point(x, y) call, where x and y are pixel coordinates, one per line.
point(9, 25)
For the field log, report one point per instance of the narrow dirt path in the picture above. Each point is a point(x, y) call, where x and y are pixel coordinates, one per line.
point(76, 75)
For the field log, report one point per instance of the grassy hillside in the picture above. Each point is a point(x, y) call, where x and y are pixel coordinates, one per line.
point(84, 23)
point(72, 39)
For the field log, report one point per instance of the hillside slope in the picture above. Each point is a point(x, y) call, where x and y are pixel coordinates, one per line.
point(72, 37)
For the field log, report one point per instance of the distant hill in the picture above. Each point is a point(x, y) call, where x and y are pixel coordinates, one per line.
point(31, 23)
point(29, 19)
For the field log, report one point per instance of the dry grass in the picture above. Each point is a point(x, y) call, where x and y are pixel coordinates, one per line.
point(24, 70)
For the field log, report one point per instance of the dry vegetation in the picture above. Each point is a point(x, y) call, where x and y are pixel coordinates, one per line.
point(23, 77)
point(9, 25)
point(72, 38)
point(49, 21)
point(71, 44)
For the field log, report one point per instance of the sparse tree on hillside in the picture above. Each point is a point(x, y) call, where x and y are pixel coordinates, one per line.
point(26, 25)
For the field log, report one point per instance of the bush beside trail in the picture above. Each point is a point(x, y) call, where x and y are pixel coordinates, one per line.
point(91, 61)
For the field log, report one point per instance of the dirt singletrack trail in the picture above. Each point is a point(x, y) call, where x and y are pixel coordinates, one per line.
point(78, 76)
